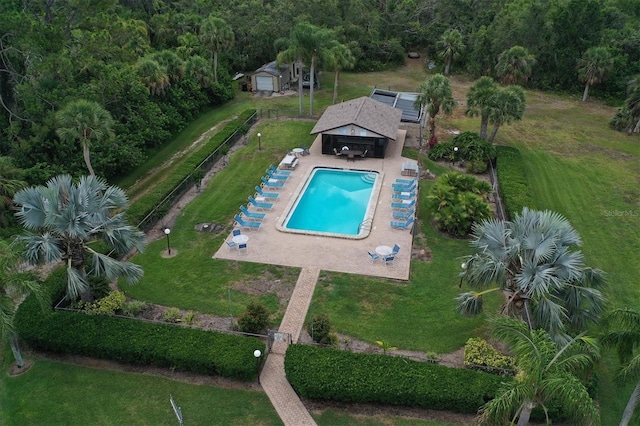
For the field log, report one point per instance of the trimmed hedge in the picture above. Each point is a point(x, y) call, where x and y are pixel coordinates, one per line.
point(513, 183)
point(333, 374)
point(133, 341)
point(145, 204)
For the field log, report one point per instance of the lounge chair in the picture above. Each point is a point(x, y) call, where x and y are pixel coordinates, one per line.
point(272, 195)
point(272, 183)
point(252, 215)
point(406, 181)
point(404, 195)
point(373, 257)
point(259, 205)
point(397, 187)
point(403, 206)
point(402, 225)
point(404, 215)
point(276, 170)
point(277, 175)
point(247, 224)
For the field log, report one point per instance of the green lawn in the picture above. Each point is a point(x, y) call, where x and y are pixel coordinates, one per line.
point(575, 165)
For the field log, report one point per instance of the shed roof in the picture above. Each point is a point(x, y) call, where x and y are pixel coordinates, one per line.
point(402, 100)
point(363, 112)
point(273, 68)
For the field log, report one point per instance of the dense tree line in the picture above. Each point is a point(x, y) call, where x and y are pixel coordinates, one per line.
point(152, 66)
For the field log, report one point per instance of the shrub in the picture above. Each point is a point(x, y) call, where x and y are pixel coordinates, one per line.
point(319, 328)
point(512, 181)
point(190, 318)
point(133, 307)
point(479, 354)
point(172, 315)
point(255, 320)
point(108, 305)
point(335, 375)
point(132, 341)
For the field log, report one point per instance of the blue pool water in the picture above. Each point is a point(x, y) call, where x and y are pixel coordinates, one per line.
point(332, 201)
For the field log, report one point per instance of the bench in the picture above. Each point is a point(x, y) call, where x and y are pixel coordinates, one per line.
point(289, 162)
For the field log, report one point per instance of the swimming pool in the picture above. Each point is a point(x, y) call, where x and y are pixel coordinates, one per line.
point(334, 202)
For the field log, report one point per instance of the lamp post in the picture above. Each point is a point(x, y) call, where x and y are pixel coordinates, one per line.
point(464, 269)
point(455, 154)
point(167, 231)
point(257, 354)
point(259, 141)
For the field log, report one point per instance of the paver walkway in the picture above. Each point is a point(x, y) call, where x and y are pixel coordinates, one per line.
point(273, 380)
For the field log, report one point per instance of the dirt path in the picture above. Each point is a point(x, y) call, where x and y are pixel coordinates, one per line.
point(154, 174)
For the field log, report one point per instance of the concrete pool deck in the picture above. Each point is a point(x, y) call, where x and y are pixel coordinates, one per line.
point(271, 246)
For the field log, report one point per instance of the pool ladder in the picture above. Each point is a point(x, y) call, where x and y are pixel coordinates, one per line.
point(365, 225)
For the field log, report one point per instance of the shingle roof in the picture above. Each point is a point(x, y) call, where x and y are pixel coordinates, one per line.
point(272, 68)
point(401, 100)
point(363, 112)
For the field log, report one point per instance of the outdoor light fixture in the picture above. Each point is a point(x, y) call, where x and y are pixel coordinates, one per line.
point(464, 268)
point(257, 354)
point(167, 231)
point(259, 141)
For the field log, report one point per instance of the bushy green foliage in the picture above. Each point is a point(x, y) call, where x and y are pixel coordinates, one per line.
point(172, 315)
point(108, 305)
point(319, 328)
point(145, 204)
point(255, 320)
point(513, 182)
point(133, 341)
point(336, 375)
point(458, 201)
point(479, 354)
point(133, 307)
point(474, 151)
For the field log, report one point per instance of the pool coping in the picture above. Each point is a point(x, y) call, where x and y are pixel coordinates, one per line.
point(369, 213)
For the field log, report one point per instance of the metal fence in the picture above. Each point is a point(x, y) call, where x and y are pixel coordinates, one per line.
point(161, 209)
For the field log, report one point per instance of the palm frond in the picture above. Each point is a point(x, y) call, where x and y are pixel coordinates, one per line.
point(76, 284)
point(103, 265)
point(469, 303)
point(507, 405)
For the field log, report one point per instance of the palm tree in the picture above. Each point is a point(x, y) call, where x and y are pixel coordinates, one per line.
point(479, 99)
point(217, 36)
point(593, 68)
point(87, 122)
point(64, 218)
point(632, 103)
point(505, 106)
point(532, 261)
point(341, 58)
point(435, 93)
point(154, 76)
point(514, 65)
point(10, 183)
point(546, 372)
point(198, 69)
point(623, 333)
point(171, 62)
point(450, 46)
point(311, 45)
point(14, 286)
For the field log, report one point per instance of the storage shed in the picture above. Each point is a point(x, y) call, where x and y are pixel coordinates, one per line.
point(360, 124)
point(271, 77)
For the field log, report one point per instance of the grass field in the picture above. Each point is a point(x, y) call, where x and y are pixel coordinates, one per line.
point(575, 165)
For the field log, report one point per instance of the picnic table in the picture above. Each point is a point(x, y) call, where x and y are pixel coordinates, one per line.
point(289, 162)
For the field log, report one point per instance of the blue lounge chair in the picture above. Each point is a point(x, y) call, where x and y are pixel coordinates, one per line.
point(247, 224)
point(276, 175)
point(272, 183)
point(275, 170)
point(404, 195)
point(402, 225)
point(403, 206)
point(259, 205)
point(273, 195)
point(404, 215)
point(251, 215)
point(406, 181)
point(401, 187)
